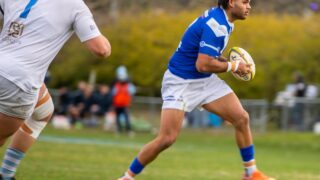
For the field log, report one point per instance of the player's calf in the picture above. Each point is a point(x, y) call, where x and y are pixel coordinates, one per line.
point(8, 126)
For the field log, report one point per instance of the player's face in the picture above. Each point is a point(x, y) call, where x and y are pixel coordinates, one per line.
point(240, 9)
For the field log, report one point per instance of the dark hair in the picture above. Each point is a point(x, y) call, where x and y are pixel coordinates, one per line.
point(223, 3)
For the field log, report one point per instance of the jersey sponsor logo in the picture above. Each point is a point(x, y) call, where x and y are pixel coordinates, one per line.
point(11, 40)
point(15, 29)
point(217, 29)
point(204, 44)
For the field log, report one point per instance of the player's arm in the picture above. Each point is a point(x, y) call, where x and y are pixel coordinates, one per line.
point(89, 33)
point(209, 58)
point(222, 59)
point(209, 64)
point(100, 46)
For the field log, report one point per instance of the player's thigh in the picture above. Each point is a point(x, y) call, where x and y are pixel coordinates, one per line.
point(171, 122)
point(227, 107)
point(8, 126)
point(15, 102)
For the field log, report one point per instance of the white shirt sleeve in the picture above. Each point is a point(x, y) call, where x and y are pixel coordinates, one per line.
point(84, 24)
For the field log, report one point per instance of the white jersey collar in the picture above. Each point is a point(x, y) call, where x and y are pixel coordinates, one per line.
point(226, 16)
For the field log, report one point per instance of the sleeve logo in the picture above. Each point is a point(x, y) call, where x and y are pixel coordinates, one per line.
point(204, 44)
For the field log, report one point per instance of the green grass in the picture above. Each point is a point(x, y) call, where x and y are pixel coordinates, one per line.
point(92, 154)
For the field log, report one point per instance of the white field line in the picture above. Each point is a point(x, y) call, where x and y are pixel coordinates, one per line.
point(114, 143)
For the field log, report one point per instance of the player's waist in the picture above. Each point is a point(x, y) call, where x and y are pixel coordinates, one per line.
point(26, 79)
point(186, 69)
point(188, 74)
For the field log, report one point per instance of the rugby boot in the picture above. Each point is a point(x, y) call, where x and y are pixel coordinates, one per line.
point(257, 175)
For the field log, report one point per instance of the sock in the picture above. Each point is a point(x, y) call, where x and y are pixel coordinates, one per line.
point(10, 163)
point(127, 175)
point(136, 167)
point(249, 170)
point(247, 155)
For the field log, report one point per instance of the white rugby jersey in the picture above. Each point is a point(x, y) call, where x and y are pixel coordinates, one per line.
point(33, 33)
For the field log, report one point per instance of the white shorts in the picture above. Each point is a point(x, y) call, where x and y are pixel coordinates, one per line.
point(14, 102)
point(186, 95)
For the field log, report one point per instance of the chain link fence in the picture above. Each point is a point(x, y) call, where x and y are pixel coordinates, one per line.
point(293, 114)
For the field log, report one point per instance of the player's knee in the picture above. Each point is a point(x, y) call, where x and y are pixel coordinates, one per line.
point(39, 119)
point(167, 140)
point(44, 109)
point(242, 120)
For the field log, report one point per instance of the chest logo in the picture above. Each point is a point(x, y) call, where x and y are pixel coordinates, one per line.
point(15, 29)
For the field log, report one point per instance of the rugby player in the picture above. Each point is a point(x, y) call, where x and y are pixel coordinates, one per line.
point(33, 33)
point(191, 82)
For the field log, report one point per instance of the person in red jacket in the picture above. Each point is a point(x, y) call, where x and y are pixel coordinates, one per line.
point(122, 91)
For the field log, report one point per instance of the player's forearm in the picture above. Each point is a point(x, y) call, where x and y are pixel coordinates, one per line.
point(99, 46)
point(222, 59)
point(214, 66)
point(104, 48)
point(207, 64)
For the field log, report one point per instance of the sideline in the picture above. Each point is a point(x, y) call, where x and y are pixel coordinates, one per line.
point(87, 141)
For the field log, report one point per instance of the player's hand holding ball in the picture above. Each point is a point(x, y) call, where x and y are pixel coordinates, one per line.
point(241, 64)
point(243, 68)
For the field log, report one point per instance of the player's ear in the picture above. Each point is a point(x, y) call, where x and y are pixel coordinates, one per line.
point(231, 3)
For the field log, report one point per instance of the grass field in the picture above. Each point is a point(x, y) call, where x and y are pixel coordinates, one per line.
point(92, 154)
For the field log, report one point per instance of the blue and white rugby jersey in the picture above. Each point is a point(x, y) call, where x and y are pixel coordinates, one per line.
point(208, 34)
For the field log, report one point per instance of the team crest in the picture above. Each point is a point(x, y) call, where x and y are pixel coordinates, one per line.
point(15, 29)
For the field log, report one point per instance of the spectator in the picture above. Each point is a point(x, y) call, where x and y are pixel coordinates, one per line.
point(77, 105)
point(64, 101)
point(90, 107)
point(122, 91)
point(300, 85)
point(298, 108)
point(104, 100)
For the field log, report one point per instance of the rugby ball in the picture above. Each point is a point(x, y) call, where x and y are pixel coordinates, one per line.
point(237, 53)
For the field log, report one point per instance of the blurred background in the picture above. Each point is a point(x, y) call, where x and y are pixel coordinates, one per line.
point(282, 37)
